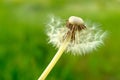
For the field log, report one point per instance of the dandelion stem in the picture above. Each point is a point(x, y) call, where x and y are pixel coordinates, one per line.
point(55, 58)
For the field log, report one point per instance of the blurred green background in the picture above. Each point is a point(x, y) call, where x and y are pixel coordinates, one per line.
point(24, 48)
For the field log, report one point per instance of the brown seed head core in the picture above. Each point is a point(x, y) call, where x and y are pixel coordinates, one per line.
point(74, 24)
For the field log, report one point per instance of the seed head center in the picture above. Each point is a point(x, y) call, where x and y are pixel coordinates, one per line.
point(74, 24)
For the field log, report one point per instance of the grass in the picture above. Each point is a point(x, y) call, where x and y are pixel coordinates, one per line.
point(24, 51)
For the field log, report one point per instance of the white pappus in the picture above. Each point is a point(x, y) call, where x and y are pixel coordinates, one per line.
point(84, 38)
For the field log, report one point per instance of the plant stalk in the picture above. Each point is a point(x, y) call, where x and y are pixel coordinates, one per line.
point(55, 58)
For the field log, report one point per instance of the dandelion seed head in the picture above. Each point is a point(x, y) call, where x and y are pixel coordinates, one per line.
point(86, 40)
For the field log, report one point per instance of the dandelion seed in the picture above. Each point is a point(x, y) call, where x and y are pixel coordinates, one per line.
point(75, 37)
point(84, 38)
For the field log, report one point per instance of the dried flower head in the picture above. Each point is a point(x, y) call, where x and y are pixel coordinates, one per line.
point(84, 37)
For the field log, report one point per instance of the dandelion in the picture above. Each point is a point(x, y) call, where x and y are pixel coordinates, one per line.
point(76, 37)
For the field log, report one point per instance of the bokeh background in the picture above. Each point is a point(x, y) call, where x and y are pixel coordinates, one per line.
point(24, 48)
